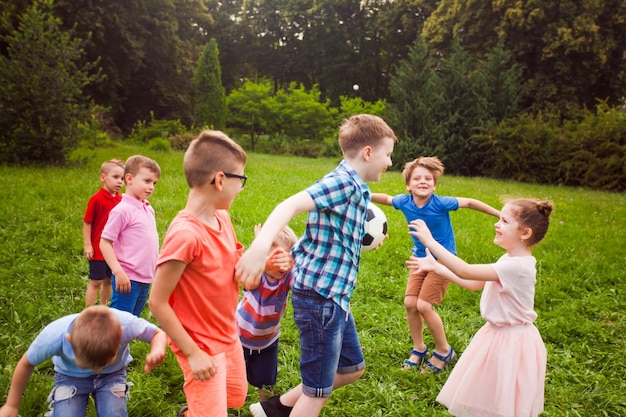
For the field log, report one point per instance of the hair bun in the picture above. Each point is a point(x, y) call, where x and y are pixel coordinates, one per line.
point(545, 207)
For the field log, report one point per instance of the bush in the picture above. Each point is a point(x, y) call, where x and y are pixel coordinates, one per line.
point(181, 141)
point(159, 145)
point(144, 131)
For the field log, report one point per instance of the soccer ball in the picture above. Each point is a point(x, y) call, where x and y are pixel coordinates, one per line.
point(375, 227)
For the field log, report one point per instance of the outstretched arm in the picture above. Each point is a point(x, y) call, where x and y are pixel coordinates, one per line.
point(429, 264)
point(477, 205)
point(477, 272)
point(21, 375)
point(251, 264)
point(157, 351)
point(382, 199)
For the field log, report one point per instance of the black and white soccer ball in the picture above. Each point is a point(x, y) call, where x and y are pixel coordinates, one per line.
point(375, 227)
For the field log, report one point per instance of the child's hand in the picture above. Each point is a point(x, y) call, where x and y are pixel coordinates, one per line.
point(427, 264)
point(8, 411)
point(249, 269)
point(122, 283)
point(89, 252)
point(201, 365)
point(420, 231)
point(157, 351)
point(279, 260)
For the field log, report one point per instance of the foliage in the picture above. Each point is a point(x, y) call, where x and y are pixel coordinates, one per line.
point(144, 131)
point(42, 78)
point(579, 296)
point(210, 97)
point(590, 152)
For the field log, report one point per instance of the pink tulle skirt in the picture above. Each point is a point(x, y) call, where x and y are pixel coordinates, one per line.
point(500, 374)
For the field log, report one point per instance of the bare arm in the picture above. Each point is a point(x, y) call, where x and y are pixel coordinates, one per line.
point(478, 206)
point(88, 247)
point(167, 276)
point(429, 264)
point(475, 272)
point(122, 282)
point(251, 264)
point(21, 375)
point(382, 199)
point(157, 351)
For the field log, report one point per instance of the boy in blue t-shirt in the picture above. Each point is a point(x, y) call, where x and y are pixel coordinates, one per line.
point(90, 353)
point(425, 290)
point(326, 264)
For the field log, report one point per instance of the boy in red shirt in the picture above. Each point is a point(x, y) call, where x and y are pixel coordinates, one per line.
point(194, 294)
point(98, 208)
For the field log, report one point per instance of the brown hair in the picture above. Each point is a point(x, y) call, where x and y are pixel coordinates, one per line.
point(533, 214)
point(107, 165)
point(363, 130)
point(431, 163)
point(136, 162)
point(210, 152)
point(95, 336)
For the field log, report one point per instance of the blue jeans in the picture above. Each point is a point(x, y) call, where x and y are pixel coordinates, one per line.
point(70, 395)
point(133, 301)
point(329, 343)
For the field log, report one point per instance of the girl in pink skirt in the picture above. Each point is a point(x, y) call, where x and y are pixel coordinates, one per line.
point(502, 371)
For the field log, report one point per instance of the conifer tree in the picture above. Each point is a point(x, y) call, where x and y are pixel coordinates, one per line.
point(210, 97)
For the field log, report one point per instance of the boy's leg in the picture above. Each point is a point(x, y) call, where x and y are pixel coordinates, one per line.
point(433, 292)
point(142, 290)
point(91, 295)
point(414, 318)
point(98, 272)
point(262, 368)
point(70, 396)
point(125, 301)
point(105, 291)
point(111, 394)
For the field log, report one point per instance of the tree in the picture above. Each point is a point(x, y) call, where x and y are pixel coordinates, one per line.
point(247, 108)
point(210, 97)
point(42, 78)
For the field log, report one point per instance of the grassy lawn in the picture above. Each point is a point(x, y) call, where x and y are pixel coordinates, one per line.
point(581, 299)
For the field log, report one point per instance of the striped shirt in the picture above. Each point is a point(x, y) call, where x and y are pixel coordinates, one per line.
point(260, 310)
point(327, 256)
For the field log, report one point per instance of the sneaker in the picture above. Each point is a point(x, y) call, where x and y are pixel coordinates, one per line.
point(182, 412)
point(272, 407)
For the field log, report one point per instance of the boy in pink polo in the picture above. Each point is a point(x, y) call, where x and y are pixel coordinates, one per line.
point(130, 241)
point(194, 295)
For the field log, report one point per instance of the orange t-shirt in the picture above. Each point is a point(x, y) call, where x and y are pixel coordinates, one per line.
point(205, 298)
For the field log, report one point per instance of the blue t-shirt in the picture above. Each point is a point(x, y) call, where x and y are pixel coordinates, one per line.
point(327, 256)
point(436, 214)
point(52, 343)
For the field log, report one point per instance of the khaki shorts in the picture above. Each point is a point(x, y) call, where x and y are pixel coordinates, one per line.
point(427, 287)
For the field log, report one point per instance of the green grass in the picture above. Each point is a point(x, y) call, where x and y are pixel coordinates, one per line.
point(580, 293)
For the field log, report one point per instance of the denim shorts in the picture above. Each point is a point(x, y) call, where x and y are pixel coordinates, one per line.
point(133, 301)
point(329, 343)
point(70, 395)
point(262, 365)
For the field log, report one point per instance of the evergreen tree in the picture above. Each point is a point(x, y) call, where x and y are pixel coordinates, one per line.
point(42, 78)
point(210, 96)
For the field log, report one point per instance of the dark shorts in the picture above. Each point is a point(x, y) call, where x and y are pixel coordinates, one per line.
point(99, 270)
point(262, 365)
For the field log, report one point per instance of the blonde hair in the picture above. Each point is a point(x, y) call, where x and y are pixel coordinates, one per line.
point(210, 152)
point(363, 130)
point(136, 162)
point(431, 163)
point(533, 214)
point(95, 336)
point(111, 163)
point(286, 237)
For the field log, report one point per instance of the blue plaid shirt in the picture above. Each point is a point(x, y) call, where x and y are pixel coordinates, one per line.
point(327, 256)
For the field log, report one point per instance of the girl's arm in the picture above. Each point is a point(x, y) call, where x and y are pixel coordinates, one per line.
point(167, 276)
point(476, 272)
point(382, 199)
point(478, 206)
point(429, 264)
point(21, 375)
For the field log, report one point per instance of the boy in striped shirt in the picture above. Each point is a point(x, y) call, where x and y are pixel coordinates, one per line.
point(260, 310)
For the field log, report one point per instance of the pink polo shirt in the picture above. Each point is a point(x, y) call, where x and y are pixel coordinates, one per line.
point(132, 229)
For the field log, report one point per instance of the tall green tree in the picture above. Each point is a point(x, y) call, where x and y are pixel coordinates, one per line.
point(42, 78)
point(209, 93)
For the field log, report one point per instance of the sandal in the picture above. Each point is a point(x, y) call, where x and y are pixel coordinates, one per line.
point(429, 368)
point(407, 364)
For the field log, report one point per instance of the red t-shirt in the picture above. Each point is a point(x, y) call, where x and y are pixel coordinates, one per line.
point(98, 209)
point(205, 298)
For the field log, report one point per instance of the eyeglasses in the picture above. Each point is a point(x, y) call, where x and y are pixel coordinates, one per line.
point(242, 178)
